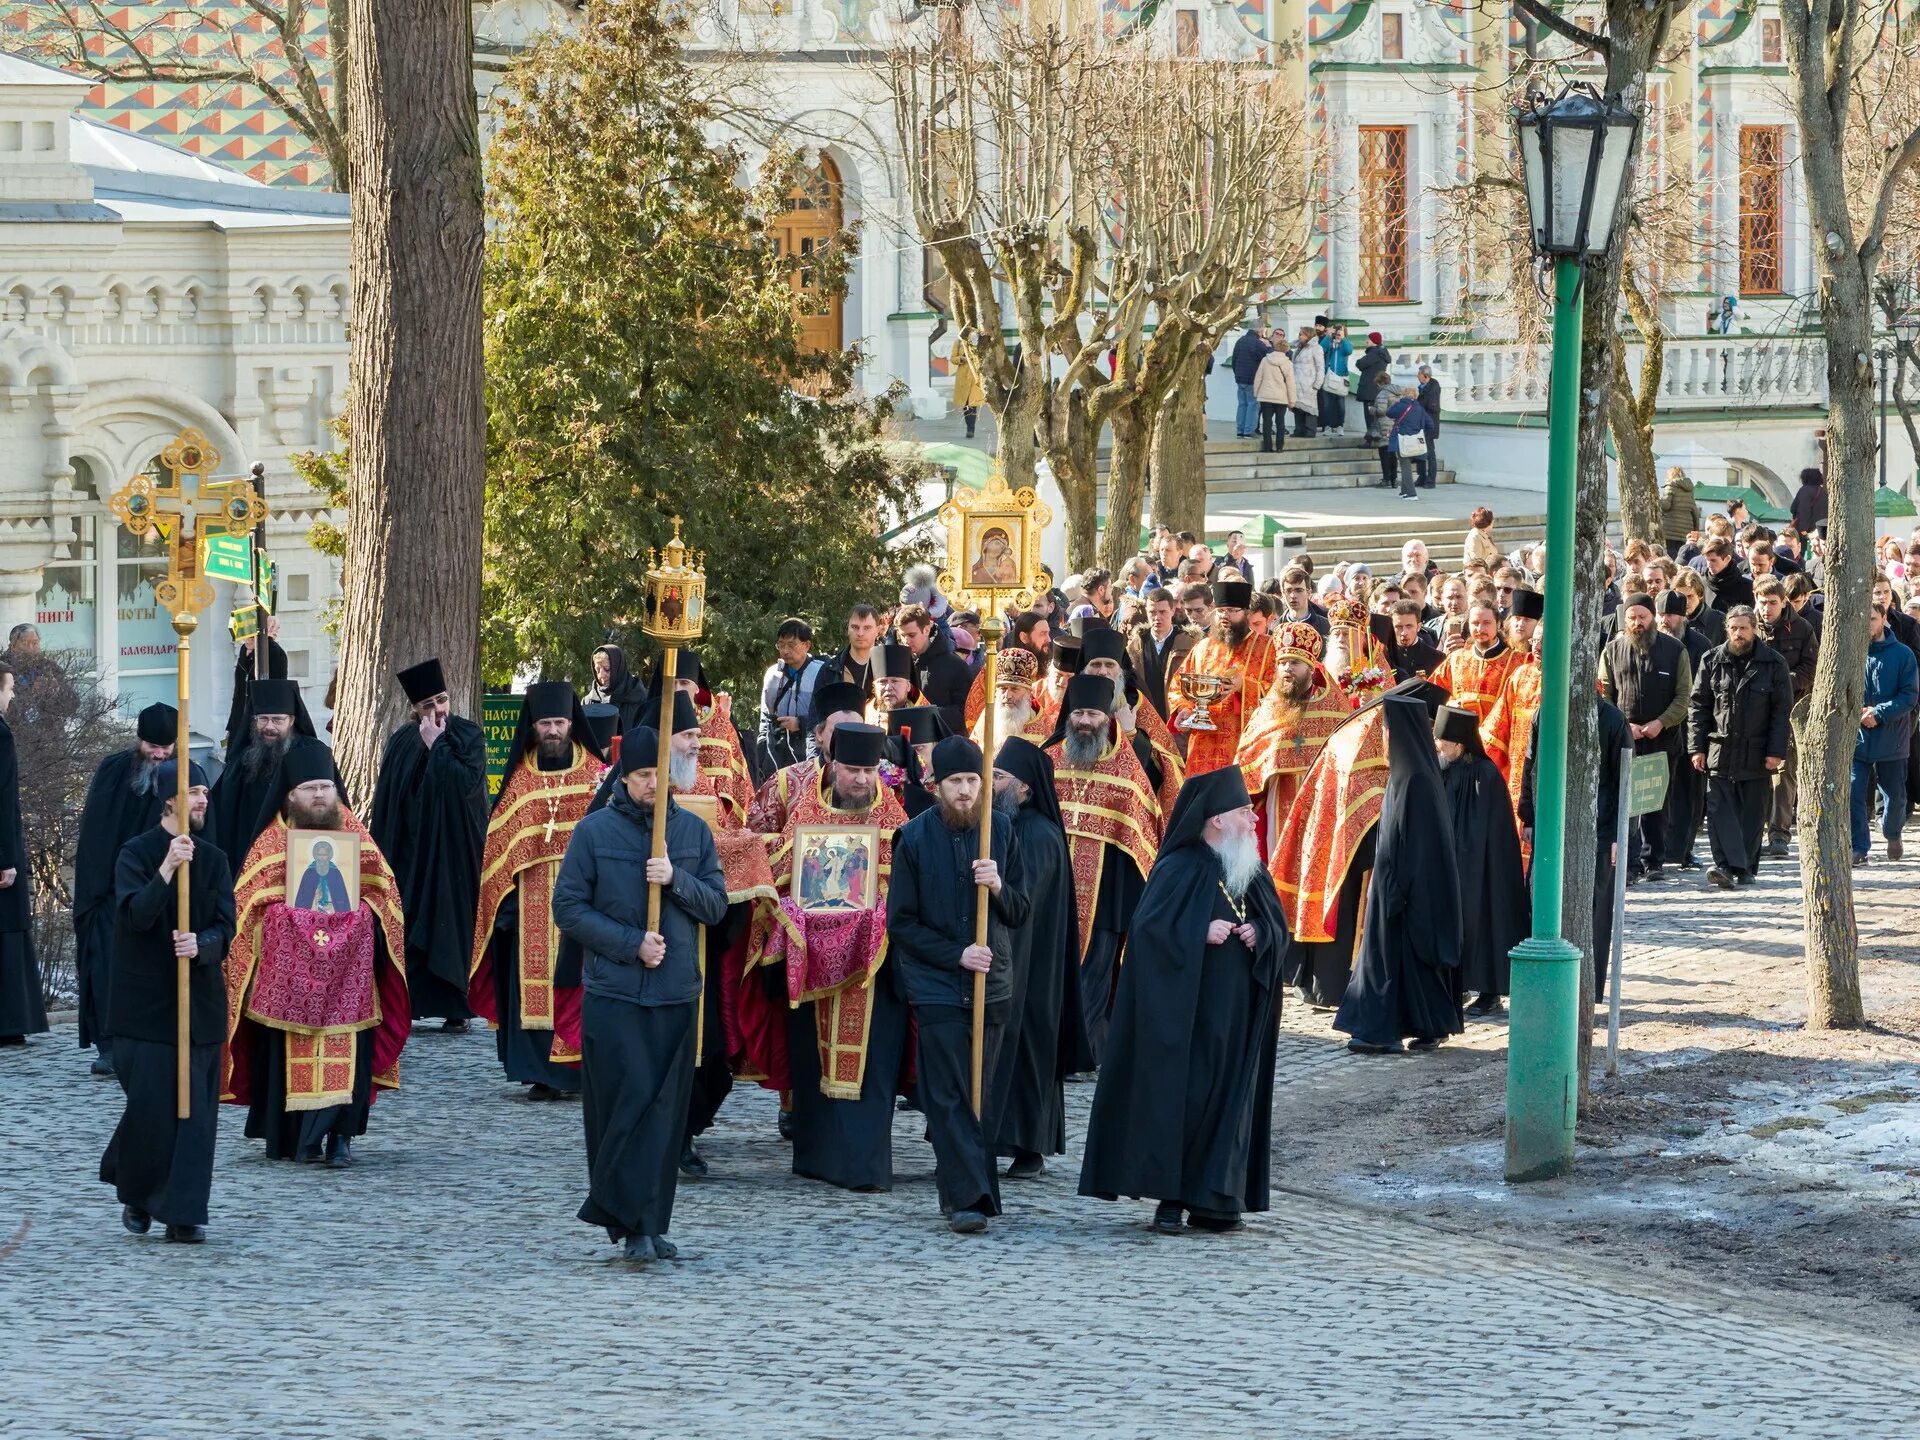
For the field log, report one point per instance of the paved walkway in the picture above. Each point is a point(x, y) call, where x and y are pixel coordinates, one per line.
point(443, 1288)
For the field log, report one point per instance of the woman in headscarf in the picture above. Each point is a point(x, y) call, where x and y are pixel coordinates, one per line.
point(614, 684)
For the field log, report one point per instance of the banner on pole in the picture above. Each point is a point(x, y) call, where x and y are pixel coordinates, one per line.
point(499, 718)
point(1649, 790)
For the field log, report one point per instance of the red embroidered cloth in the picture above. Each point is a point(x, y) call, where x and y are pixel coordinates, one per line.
point(825, 952)
point(315, 972)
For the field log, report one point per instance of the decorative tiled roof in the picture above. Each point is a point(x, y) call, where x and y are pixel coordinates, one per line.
point(235, 125)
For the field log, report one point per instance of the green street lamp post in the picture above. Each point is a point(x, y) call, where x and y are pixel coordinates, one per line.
point(1575, 149)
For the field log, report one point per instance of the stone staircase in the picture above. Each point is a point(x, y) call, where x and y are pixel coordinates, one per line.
point(1236, 468)
point(1377, 542)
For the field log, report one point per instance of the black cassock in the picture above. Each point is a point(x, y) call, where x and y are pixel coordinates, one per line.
point(1184, 1104)
point(1406, 980)
point(113, 815)
point(1493, 886)
point(157, 1162)
point(1046, 1035)
point(429, 819)
point(23, 1011)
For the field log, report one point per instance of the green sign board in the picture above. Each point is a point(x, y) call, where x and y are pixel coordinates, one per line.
point(229, 557)
point(499, 718)
point(1647, 791)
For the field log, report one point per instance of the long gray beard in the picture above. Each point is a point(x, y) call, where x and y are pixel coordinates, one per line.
point(1081, 751)
point(1011, 719)
point(262, 758)
point(141, 781)
point(683, 772)
point(1239, 862)
point(1446, 761)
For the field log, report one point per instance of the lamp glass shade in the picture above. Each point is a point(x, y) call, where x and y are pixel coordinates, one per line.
point(1575, 150)
point(1907, 329)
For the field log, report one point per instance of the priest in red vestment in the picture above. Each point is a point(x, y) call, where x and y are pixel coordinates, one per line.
point(1233, 653)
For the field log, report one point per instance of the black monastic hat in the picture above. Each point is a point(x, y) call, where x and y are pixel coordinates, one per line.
point(549, 700)
point(1088, 692)
point(273, 697)
point(1457, 726)
point(1528, 604)
point(686, 715)
point(1066, 654)
point(159, 724)
point(304, 761)
point(423, 681)
point(955, 755)
point(1200, 799)
point(838, 697)
point(1673, 602)
point(1233, 593)
point(167, 777)
point(893, 661)
point(859, 745)
point(602, 721)
point(918, 724)
point(1643, 600)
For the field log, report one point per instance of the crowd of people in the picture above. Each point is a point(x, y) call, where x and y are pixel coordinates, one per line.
point(1202, 793)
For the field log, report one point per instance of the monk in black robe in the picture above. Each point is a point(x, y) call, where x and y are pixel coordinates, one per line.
point(1486, 850)
point(124, 799)
point(161, 1166)
point(1406, 979)
point(932, 902)
point(429, 819)
point(1185, 1099)
point(246, 797)
point(23, 1009)
point(245, 672)
point(1046, 1032)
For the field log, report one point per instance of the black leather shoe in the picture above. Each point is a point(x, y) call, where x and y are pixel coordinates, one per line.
point(339, 1152)
point(640, 1250)
point(1778, 850)
point(187, 1234)
point(1166, 1219)
point(1027, 1165)
point(453, 1027)
point(665, 1249)
point(786, 1125)
point(540, 1090)
point(967, 1222)
point(102, 1062)
point(1217, 1221)
point(691, 1164)
point(137, 1221)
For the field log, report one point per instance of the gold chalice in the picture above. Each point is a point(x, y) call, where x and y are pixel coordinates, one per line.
point(1204, 690)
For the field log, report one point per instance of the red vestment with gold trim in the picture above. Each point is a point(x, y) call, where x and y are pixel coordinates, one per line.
point(527, 837)
point(1339, 801)
point(834, 965)
point(1107, 803)
point(1250, 667)
point(321, 1063)
point(1282, 741)
point(1472, 680)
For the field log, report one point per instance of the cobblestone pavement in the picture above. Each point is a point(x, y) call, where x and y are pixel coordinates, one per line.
point(443, 1288)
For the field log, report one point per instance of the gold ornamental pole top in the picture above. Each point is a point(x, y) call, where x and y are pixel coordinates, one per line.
point(676, 585)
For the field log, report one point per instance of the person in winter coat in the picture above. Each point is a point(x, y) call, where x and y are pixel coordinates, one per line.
point(1273, 388)
point(1410, 420)
point(1248, 351)
point(1430, 402)
point(1738, 721)
point(1309, 370)
point(1886, 731)
point(1370, 371)
point(1679, 511)
point(1338, 351)
point(968, 394)
point(1810, 501)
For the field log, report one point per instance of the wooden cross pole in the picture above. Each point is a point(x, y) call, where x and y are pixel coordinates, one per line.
point(146, 504)
point(675, 616)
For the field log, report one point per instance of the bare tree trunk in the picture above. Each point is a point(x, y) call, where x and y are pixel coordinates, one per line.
point(1633, 442)
point(416, 411)
point(1126, 488)
point(1179, 478)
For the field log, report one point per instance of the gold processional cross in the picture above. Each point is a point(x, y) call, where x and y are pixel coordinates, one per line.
point(216, 507)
